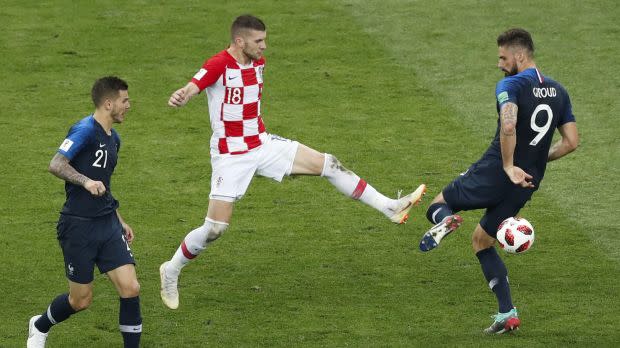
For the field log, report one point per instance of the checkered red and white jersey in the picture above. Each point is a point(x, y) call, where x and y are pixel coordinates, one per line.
point(234, 93)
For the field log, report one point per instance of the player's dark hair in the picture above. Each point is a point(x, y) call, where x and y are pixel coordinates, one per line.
point(516, 37)
point(107, 87)
point(245, 22)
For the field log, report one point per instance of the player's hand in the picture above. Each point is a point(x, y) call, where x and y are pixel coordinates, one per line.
point(519, 177)
point(96, 188)
point(178, 98)
point(129, 236)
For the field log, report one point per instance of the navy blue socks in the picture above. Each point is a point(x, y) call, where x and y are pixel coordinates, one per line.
point(437, 212)
point(58, 311)
point(496, 274)
point(130, 321)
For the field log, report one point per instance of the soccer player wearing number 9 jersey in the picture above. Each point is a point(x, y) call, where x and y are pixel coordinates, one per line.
point(242, 148)
point(530, 106)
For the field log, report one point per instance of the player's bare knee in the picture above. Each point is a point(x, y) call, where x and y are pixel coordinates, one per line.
point(131, 289)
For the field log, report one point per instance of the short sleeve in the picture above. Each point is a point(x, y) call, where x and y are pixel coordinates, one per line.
point(210, 72)
point(506, 91)
point(78, 137)
point(567, 114)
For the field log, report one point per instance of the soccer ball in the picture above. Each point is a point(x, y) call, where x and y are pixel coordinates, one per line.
point(515, 235)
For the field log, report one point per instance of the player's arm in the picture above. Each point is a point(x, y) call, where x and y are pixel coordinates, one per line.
point(208, 74)
point(60, 167)
point(129, 235)
point(508, 142)
point(182, 95)
point(568, 143)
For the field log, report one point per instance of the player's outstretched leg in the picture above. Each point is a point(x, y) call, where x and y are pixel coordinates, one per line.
point(347, 182)
point(504, 322)
point(193, 244)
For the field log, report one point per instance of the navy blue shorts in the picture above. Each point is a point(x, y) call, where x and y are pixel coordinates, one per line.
point(89, 241)
point(485, 185)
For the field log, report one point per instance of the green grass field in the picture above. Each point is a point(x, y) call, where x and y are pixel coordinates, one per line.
point(401, 91)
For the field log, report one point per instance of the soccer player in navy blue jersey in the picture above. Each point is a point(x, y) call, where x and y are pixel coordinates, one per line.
point(531, 107)
point(90, 229)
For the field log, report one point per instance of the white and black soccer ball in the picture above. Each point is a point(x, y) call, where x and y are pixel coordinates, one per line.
point(515, 235)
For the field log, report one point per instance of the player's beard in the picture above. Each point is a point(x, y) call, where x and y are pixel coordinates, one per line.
point(512, 72)
point(251, 55)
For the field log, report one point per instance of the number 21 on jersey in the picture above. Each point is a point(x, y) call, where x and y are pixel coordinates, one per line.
point(101, 155)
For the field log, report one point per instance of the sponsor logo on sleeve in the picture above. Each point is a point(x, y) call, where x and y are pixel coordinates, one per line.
point(200, 74)
point(66, 145)
point(502, 97)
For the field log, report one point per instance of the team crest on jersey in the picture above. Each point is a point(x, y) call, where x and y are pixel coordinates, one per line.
point(66, 145)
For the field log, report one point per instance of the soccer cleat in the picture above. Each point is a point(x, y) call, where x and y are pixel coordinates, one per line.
point(36, 338)
point(504, 322)
point(168, 291)
point(432, 237)
point(406, 203)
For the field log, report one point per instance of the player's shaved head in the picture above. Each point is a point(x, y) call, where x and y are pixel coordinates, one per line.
point(107, 87)
point(245, 22)
point(516, 37)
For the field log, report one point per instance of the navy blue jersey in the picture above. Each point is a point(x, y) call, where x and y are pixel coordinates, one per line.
point(543, 105)
point(93, 153)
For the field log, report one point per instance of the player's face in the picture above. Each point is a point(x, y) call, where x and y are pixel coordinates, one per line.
point(254, 43)
point(507, 61)
point(120, 106)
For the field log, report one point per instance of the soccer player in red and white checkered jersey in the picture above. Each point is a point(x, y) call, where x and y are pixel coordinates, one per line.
point(241, 147)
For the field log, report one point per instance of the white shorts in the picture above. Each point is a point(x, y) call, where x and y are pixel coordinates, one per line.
point(231, 174)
